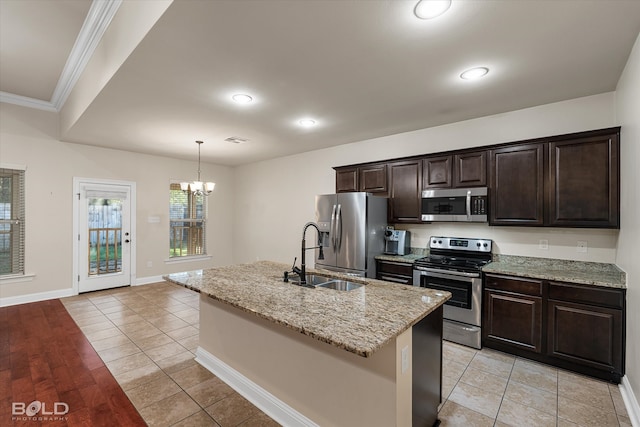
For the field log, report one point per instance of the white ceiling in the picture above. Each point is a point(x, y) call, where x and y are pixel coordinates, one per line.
point(362, 69)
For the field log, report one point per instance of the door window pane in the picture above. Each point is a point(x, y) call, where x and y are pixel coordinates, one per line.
point(105, 236)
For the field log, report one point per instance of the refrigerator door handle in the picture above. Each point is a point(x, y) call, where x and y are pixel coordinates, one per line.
point(332, 228)
point(339, 226)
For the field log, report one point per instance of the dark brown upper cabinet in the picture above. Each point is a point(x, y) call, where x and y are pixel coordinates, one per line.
point(346, 180)
point(517, 185)
point(371, 178)
point(470, 169)
point(437, 172)
point(405, 179)
point(455, 171)
point(584, 182)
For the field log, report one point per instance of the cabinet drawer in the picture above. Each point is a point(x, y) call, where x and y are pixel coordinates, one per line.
point(400, 268)
point(509, 284)
point(602, 297)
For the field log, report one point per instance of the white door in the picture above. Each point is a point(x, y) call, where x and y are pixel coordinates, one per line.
point(104, 236)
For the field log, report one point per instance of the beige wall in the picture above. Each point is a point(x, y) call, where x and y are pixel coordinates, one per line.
point(276, 198)
point(628, 251)
point(29, 137)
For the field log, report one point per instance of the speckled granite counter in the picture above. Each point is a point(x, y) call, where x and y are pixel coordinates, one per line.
point(408, 259)
point(360, 321)
point(588, 273)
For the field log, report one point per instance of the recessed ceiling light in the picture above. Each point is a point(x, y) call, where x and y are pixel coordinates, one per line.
point(474, 73)
point(429, 9)
point(242, 98)
point(307, 123)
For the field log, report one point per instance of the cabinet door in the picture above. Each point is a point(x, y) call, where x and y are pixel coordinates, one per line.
point(405, 178)
point(437, 172)
point(512, 320)
point(586, 335)
point(584, 182)
point(516, 185)
point(470, 169)
point(346, 180)
point(373, 178)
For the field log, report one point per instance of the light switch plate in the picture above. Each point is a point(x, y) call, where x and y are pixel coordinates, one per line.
point(543, 244)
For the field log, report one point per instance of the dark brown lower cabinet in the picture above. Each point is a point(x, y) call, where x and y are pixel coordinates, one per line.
point(393, 271)
point(519, 301)
point(576, 327)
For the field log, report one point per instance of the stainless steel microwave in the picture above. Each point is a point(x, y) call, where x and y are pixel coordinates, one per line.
point(455, 205)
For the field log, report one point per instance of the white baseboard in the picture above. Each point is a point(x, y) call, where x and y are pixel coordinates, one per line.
point(261, 398)
point(40, 296)
point(630, 401)
point(147, 280)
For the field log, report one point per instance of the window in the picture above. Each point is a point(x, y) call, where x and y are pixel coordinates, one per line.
point(187, 219)
point(11, 221)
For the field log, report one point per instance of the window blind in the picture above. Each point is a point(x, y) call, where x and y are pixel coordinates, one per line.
point(12, 224)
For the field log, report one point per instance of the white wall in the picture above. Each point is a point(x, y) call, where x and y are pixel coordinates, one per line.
point(275, 198)
point(628, 254)
point(29, 137)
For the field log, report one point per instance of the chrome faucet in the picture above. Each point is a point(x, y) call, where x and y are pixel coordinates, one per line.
point(302, 271)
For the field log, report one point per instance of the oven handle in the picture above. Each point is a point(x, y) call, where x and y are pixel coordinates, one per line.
point(435, 272)
point(469, 205)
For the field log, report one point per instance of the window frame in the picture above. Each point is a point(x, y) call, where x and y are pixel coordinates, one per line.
point(17, 217)
point(192, 207)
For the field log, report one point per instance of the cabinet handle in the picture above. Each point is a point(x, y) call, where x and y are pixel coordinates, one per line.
point(394, 279)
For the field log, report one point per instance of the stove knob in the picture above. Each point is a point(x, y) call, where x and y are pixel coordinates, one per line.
point(485, 245)
point(440, 241)
point(478, 244)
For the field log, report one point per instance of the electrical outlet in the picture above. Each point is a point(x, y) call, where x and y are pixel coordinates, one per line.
point(149, 264)
point(582, 246)
point(543, 244)
point(405, 358)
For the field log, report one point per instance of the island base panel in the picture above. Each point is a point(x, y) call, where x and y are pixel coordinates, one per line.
point(326, 384)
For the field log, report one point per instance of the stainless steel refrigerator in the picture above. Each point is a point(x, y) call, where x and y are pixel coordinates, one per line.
point(352, 228)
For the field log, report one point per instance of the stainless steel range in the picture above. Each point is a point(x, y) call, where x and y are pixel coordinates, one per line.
point(454, 265)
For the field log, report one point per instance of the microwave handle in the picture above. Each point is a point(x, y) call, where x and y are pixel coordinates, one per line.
point(469, 205)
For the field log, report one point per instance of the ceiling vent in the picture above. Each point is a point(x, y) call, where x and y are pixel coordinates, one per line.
point(236, 140)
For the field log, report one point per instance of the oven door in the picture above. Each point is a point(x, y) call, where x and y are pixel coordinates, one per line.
point(465, 304)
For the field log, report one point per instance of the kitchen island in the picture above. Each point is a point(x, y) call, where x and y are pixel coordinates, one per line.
point(314, 356)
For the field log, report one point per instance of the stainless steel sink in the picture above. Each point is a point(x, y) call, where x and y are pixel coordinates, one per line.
point(317, 281)
point(340, 285)
point(313, 280)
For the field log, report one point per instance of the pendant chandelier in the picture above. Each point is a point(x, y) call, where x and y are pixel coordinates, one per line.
point(198, 188)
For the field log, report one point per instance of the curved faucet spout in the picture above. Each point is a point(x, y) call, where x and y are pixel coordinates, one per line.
point(303, 268)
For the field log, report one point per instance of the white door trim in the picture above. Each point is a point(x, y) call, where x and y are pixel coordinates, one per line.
point(77, 183)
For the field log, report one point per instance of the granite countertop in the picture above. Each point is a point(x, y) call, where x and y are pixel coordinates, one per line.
point(407, 259)
point(587, 273)
point(360, 321)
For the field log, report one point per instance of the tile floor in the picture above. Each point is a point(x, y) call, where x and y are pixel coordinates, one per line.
point(147, 336)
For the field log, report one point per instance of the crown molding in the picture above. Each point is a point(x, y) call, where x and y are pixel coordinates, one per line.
point(98, 19)
point(95, 24)
point(25, 101)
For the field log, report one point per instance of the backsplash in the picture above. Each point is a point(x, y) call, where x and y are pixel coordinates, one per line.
point(561, 243)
